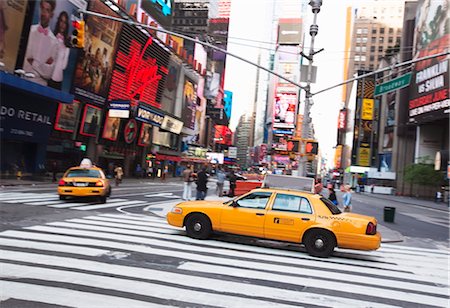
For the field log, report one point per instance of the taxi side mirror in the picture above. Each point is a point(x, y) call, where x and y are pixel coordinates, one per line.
point(234, 203)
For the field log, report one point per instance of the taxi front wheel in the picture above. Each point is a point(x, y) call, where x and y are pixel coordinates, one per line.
point(319, 243)
point(198, 226)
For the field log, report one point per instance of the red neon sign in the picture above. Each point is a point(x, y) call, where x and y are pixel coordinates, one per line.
point(141, 77)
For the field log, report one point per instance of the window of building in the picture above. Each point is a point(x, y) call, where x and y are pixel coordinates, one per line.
point(373, 40)
point(372, 58)
point(374, 31)
point(397, 41)
point(358, 49)
point(357, 58)
point(390, 39)
point(391, 30)
point(364, 40)
point(379, 58)
point(372, 48)
point(358, 40)
point(363, 58)
point(380, 48)
point(358, 31)
point(382, 30)
point(381, 39)
point(371, 67)
point(365, 30)
point(363, 49)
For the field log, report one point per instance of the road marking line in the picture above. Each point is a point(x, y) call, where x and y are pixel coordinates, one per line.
point(107, 205)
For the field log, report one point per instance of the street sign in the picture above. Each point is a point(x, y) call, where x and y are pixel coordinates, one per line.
point(392, 85)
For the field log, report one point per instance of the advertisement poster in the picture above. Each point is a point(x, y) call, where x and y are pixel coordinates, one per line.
point(170, 85)
point(66, 117)
point(189, 104)
point(111, 129)
point(91, 121)
point(429, 99)
point(94, 66)
point(12, 14)
point(145, 135)
point(284, 110)
point(48, 54)
point(160, 10)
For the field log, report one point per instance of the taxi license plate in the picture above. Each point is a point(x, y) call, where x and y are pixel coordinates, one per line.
point(81, 184)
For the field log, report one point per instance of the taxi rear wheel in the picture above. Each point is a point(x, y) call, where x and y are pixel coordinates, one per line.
point(62, 197)
point(320, 243)
point(198, 226)
point(102, 199)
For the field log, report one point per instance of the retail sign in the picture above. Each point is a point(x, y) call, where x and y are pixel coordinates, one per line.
point(149, 115)
point(393, 85)
point(364, 157)
point(232, 152)
point(367, 109)
point(172, 125)
point(119, 110)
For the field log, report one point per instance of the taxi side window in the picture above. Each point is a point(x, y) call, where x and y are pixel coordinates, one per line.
point(254, 200)
point(291, 203)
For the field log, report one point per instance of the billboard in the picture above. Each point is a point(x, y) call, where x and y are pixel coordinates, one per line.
point(48, 54)
point(111, 128)
point(215, 158)
point(140, 68)
point(160, 10)
point(284, 110)
point(94, 66)
point(227, 103)
point(429, 95)
point(12, 14)
point(168, 97)
point(223, 135)
point(189, 103)
point(90, 122)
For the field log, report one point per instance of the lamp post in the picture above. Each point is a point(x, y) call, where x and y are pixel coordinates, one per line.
point(313, 30)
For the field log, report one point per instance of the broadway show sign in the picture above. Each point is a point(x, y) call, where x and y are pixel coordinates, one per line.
point(429, 89)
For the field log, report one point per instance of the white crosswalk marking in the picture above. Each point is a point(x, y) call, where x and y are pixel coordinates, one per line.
point(52, 200)
point(72, 256)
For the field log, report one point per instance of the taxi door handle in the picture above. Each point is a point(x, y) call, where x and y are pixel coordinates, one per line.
point(259, 214)
point(304, 218)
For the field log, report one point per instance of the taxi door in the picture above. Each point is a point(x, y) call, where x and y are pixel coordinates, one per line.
point(246, 216)
point(288, 218)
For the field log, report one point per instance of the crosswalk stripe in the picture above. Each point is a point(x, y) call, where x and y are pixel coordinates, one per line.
point(44, 202)
point(156, 229)
point(87, 251)
point(107, 205)
point(418, 267)
point(218, 285)
point(132, 286)
point(65, 297)
point(101, 232)
point(250, 267)
point(62, 205)
point(24, 198)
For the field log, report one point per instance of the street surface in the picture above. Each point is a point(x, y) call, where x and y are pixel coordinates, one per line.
point(123, 254)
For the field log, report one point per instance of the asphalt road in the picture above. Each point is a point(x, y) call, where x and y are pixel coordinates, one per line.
point(123, 254)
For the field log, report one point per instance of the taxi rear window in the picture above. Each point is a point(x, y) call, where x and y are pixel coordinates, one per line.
point(331, 206)
point(83, 173)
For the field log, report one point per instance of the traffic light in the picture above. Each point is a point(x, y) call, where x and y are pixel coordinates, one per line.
point(311, 147)
point(78, 34)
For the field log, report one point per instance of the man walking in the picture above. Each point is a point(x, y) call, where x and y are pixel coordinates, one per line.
point(187, 179)
point(202, 180)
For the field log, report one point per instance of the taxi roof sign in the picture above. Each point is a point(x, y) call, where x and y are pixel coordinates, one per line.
point(288, 182)
point(86, 163)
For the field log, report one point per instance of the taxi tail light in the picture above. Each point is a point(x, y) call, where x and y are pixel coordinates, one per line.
point(371, 229)
point(99, 183)
point(62, 183)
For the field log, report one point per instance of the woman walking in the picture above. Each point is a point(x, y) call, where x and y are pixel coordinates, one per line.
point(347, 198)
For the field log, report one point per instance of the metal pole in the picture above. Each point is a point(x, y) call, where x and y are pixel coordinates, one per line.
point(313, 30)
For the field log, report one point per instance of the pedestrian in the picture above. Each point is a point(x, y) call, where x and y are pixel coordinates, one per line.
point(438, 197)
point(202, 180)
point(188, 178)
point(372, 187)
point(318, 187)
point(347, 198)
point(118, 174)
point(220, 181)
point(138, 171)
point(232, 179)
point(165, 171)
point(332, 195)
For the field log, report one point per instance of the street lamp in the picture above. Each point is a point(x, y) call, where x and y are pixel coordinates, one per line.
point(313, 30)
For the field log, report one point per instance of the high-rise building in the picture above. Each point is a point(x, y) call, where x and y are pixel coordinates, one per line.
point(242, 138)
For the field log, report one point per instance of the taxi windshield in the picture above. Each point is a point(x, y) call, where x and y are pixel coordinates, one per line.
point(83, 173)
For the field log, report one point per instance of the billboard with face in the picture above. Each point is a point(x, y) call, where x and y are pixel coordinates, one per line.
point(284, 110)
point(48, 54)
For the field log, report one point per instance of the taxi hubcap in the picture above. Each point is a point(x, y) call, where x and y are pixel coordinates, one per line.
point(319, 243)
point(197, 226)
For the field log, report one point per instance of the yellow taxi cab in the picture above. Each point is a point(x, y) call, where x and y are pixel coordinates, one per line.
point(274, 213)
point(85, 180)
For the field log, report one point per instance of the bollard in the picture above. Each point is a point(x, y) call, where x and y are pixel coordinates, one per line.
point(389, 214)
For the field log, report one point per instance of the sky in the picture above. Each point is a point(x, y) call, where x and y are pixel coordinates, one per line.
point(249, 22)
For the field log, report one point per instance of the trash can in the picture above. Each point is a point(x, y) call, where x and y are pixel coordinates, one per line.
point(389, 214)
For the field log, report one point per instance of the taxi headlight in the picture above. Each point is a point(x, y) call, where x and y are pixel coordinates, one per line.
point(177, 210)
